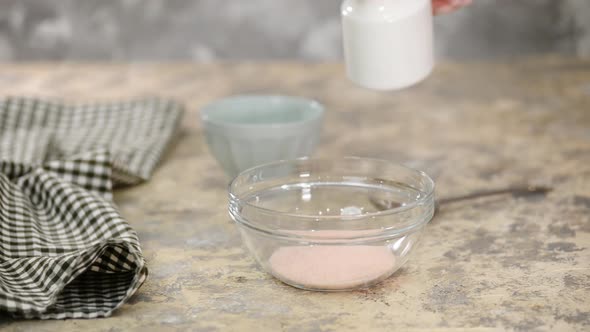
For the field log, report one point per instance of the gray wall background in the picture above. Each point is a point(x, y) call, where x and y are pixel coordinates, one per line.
point(205, 30)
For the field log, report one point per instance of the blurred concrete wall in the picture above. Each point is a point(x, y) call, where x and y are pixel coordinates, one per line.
point(204, 30)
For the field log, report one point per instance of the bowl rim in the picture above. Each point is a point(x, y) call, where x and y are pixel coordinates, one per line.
point(428, 196)
point(318, 108)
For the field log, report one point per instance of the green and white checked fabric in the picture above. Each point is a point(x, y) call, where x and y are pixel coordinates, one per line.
point(65, 251)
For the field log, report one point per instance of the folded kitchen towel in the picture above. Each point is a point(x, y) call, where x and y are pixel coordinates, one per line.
point(65, 250)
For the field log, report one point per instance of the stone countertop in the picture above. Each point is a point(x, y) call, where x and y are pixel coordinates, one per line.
point(499, 263)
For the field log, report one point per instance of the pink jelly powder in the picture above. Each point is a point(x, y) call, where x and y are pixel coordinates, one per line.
point(332, 267)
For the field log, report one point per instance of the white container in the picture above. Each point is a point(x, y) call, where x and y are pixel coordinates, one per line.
point(388, 44)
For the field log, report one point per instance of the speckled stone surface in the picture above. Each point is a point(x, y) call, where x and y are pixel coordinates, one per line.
point(209, 30)
point(504, 263)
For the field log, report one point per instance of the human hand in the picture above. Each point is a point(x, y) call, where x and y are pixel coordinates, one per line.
point(447, 6)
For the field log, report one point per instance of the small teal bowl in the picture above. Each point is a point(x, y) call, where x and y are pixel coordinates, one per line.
point(246, 131)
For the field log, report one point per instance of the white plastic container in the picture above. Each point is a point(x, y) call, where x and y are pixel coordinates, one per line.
point(388, 44)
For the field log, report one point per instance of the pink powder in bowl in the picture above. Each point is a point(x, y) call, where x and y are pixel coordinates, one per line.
point(332, 267)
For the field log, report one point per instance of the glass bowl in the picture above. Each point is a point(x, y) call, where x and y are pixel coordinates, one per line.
point(331, 225)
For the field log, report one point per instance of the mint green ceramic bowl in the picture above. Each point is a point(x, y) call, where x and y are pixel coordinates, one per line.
point(250, 130)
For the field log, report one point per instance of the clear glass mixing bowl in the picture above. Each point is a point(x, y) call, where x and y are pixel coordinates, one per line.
point(331, 225)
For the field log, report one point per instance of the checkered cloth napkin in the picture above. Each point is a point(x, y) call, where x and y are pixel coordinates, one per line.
point(65, 250)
